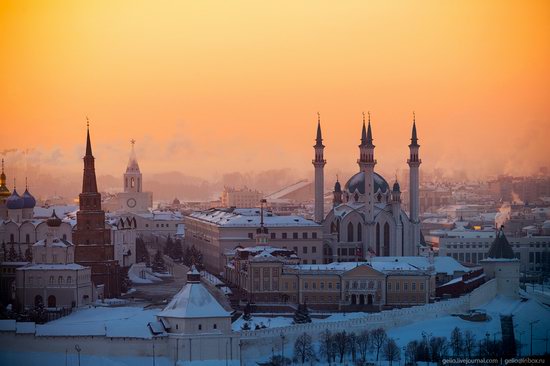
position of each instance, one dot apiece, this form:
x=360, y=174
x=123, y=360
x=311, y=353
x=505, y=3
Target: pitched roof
x=194, y=301
x=501, y=248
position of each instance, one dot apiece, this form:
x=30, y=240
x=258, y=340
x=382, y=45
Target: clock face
x=131, y=202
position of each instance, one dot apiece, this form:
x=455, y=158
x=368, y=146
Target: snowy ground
x=124, y=321
x=523, y=313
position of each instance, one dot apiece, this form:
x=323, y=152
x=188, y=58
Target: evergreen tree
x=12, y=255
x=20, y=257
x=247, y=313
x=169, y=247
x=177, y=254
x=187, y=257
x=158, y=262
x=142, y=255
x=301, y=315
x=28, y=254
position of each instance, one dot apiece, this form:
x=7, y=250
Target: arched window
x=51, y=301
x=64, y=236
x=377, y=238
x=139, y=185
x=12, y=238
x=132, y=182
x=200, y=326
x=359, y=232
x=338, y=230
x=350, y=232
x=215, y=326
x=60, y=280
x=386, y=239
x=27, y=238
x=69, y=279
x=51, y=280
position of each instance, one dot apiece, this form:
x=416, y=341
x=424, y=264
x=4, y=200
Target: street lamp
x=78, y=349
x=283, y=347
x=531, y=326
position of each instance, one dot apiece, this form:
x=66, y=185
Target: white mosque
x=366, y=218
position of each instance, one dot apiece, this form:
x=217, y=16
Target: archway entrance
x=369, y=299
x=354, y=299
x=38, y=300
x=51, y=301
x=361, y=299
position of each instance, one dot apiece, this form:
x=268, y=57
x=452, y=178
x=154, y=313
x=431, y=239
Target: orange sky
x=207, y=87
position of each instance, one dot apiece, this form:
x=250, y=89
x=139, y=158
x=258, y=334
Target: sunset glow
x=212, y=87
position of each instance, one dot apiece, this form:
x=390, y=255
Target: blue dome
x=14, y=201
x=28, y=200
x=358, y=182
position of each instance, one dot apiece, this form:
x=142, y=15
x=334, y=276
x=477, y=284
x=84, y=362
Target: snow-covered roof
x=61, y=210
x=194, y=301
x=52, y=267
x=240, y=217
x=56, y=242
x=287, y=190
x=447, y=265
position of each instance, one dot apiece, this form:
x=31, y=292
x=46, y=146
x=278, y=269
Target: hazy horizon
x=211, y=90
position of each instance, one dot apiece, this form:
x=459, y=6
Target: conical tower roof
x=133, y=166
x=501, y=248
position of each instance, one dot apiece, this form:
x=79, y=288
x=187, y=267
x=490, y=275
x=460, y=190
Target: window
x=314, y=261
x=177, y=326
x=286, y=285
x=294, y=235
x=54, y=258
x=27, y=238
x=414, y=286
x=330, y=285
x=421, y=286
x=304, y=235
x=284, y=235
x=304, y=250
x=51, y=280
x=200, y=326
x=305, y=285
x=314, y=285
x=397, y=286
x=295, y=250
x=273, y=236
x=69, y=279
x=304, y=261
x=350, y=232
x=406, y=286
x=60, y=280
x=314, y=249
x=250, y=235
x=64, y=236
x=322, y=285
x=215, y=326
x=314, y=235
x=338, y=285
x=344, y=251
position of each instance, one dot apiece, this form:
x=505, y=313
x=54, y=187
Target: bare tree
x=411, y=352
x=438, y=348
x=341, y=342
x=303, y=348
x=327, y=347
x=457, y=342
x=352, y=346
x=390, y=351
x=378, y=337
x=469, y=342
x=363, y=343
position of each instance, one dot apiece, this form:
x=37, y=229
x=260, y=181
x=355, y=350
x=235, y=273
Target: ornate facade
x=366, y=218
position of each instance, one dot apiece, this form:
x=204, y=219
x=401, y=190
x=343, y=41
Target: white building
x=216, y=231
x=133, y=199
x=53, y=279
x=197, y=319
x=243, y=197
x=367, y=217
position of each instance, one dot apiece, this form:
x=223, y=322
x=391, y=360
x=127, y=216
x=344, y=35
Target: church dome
x=53, y=220
x=15, y=201
x=28, y=200
x=358, y=182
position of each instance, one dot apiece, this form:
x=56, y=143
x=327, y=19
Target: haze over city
x=213, y=88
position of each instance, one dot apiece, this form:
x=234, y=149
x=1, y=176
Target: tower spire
x=319, y=139
x=414, y=138
x=88, y=143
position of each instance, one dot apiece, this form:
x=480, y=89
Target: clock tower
x=133, y=199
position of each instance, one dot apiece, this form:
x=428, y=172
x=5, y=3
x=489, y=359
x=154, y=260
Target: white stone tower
x=414, y=186
x=132, y=177
x=396, y=213
x=366, y=163
x=319, y=164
